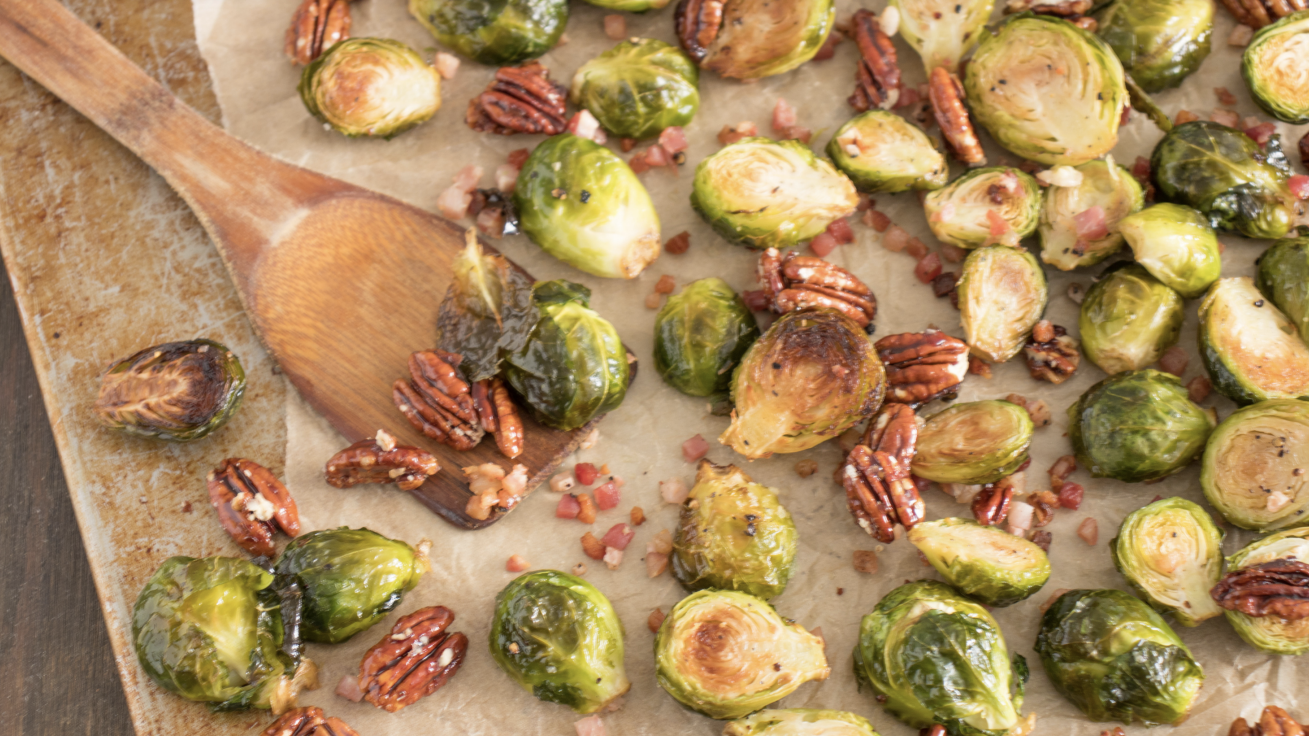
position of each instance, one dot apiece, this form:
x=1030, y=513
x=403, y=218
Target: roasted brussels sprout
x=1002, y=293
x=801, y=722
x=629, y=6
x=1137, y=426
x=812, y=376
x=750, y=39
x=559, y=637
x=942, y=32
x=583, y=205
x=1273, y=67
x=1283, y=277
x=1272, y=634
x=497, y=32
x=1172, y=552
x=963, y=213
x=1228, y=177
x=1129, y=318
x=209, y=630
x=1073, y=232
x=973, y=442
x=1115, y=659
x=574, y=366
x=985, y=563
x=177, y=391
x=1159, y=42
x=1253, y=466
x=638, y=87
x=700, y=336
x=1047, y=90
x=763, y=193
x=733, y=534
x=1251, y=350
x=350, y=579
x=1176, y=245
x=882, y=152
x=372, y=87
x=937, y=657
x=488, y=311
x=724, y=653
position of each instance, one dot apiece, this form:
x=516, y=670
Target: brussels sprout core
x=1272, y=634
x=882, y=152
x=1274, y=67
x=1002, y=293
x=1255, y=466
x=1172, y=552
x=973, y=442
x=638, y=88
x=1252, y=351
x=1073, y=231
x=178, y=391
x=499, y=33
x=964, y=213
x=1129, y=318
x=1176, y=245
x=942, y=31
x=986, y=563
x=371, y=87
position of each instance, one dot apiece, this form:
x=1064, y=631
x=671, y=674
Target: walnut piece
x=413, y=661
x=368, y=461
x=879, y=489
x=522, y=99
x=922, y=366
x=795, y=283
x=252, y=504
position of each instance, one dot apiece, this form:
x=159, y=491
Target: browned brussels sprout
x=177, y=391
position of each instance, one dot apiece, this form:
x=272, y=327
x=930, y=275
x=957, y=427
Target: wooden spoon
x=340, y=283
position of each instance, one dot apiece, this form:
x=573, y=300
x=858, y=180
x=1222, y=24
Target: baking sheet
x=242, y=42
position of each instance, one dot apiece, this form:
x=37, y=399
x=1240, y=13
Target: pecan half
x=922, y=366
x=697, y=23
x=877, y=81
x=381, y=460
x=498, y=415
x=879, y=489
x=522, y=99
x=1259, y=13
x=946, y=94
x=1278, y=588
x=1274, y=721
x=308, y=721
x=991, y=504
x=795, y=283
x=437, y=402
x=413, y=661
x=315, y=27
x=1052, y=354
x=252, y=504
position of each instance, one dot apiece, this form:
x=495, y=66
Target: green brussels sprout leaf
x=1283, y=277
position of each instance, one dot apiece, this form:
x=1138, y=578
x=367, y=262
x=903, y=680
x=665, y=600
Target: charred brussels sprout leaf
x=1172, y=552
x=177, y=391
x=1283, y=277
x=937, y=657
x=1065, y=242
x=984, y=562
x=1159, y=42
x=1047, y=90
x=494, y=32
x=973, y=442
x=371, y=87
x=1272, y=634
x=1129, y=318
x=1137, y=426
x=958, y=214
x=1115, y=659
x=350, y=579
x=1225, y=175
x=488, y=311
x=1002, y=294
x=1251, y=350
x=701, y=335
x=882, y=152
x=559, y=637
x=763, y=193
x=725, y=654
x=583, y=205
x=638, y=88
x=1252, y=470
x=760, y=38
x=943, y=31
x=1273, y=67
x=1176, y=245
x=812, y=376
x=801, y=722
x=734, y=534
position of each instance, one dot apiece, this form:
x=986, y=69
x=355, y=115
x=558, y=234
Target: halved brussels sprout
x=629, y=6
x=942, y=31
x=763, y=193
x=1115, y=659
x=350, y=579
x=488, y=311
x=733, y=534
x=984, y=562
x=638, y=87
x=725, y=654
x=882, y=152
x=1002, y=294
x=1172, y=552
x=1228, y=177
x=583, y=205
x=1251, y=350
x=178, y=391
x=961, y=213
x=1273, y=67
x=701, y=335
x=560, y=638
x=812, y=376
x=801, y=722
x=973, y=442
x=1272, y=634
x=1137, y=426
x=371, y=87
x=574, y=366
x=934, y=656
x=1176, y=245
x=1047, y=90
x=1253, y=466
x=1070, y=236
x=1160, y=42
x=760, y=38
x=1283, y=277
x=496, y=32
x=1129, y=318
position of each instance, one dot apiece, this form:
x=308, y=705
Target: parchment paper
x=242, y=42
